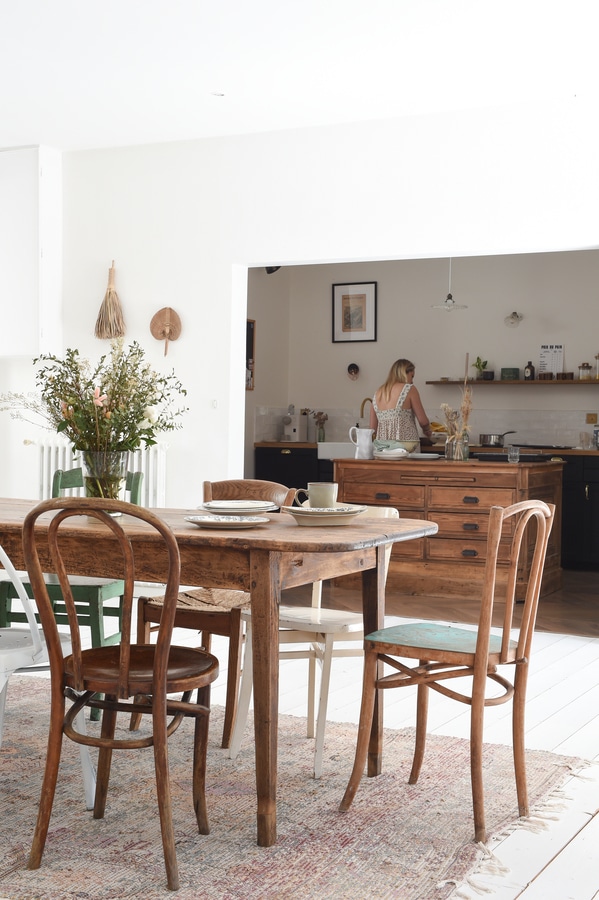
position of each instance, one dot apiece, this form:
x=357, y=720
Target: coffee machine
x=295, y=426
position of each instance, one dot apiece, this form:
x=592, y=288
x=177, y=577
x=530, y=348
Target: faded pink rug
x=397, y=841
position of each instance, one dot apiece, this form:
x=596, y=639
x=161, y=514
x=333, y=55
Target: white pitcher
x=362, y=438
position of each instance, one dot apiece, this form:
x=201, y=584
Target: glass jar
x=457, y=448
x=585, y=371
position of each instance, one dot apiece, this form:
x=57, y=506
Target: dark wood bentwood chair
x=121, y=672
x=445, y=652
x=212, y=610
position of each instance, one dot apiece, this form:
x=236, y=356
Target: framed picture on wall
x=354, y=312
x=250, y=354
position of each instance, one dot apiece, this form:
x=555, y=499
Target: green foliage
x=480, y=365
x=117, y=405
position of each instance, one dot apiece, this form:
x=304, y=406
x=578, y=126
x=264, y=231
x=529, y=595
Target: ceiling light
x=449, y=303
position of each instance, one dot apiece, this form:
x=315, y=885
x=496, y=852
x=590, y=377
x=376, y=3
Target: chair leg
x=364, y=727
x=325, y=683
x=104, y=763
x=49, y=782
x=143, y=637
x=476, y=761
x=233, y=675
x=3, y=693
x=200, y=749
x=87, y=767
x=163, y=790
x=422, y=697
x=311, y=719
x=518, y=710
x=245, y=695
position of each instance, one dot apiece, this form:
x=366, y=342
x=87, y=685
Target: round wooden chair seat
x=208, y=599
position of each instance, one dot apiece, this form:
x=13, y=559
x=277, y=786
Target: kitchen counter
x=305, y=444
x=457, y=496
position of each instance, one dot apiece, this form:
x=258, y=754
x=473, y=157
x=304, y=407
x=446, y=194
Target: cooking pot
x=493, y=440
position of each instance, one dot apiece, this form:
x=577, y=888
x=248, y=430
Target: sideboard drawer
x=475, y=498
x=409, y=496
x=469, y=550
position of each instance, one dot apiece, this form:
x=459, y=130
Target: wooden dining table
x=262, y=560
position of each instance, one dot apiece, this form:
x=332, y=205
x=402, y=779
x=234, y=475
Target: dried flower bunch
x=458, y=421
x=117, y=405
x=320, y=418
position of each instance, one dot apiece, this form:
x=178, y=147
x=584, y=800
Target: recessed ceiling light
x=217, y=93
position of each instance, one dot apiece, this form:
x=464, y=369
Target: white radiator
x=151, y=461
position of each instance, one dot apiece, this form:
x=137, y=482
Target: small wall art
x=354, y=312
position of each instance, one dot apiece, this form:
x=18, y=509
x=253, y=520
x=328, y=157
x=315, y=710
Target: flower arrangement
x=114, y=406
x=458, y=425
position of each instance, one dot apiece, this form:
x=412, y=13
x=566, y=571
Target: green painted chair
x=90, y=594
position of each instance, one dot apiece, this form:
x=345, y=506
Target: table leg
x=373, y=600
x=266, y=596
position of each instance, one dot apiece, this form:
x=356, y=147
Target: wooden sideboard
x=457, y=496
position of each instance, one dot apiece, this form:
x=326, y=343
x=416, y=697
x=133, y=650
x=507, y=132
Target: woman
x=396, y=406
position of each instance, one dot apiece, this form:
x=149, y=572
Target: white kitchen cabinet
x=30, y=251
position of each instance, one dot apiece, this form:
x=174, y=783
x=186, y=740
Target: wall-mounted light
x=513, y=320
x=270, y=270
x=353, y=371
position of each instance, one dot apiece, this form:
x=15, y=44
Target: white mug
x=322, y=494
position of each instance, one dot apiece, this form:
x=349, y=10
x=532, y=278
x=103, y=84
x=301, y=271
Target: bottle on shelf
x=529, y=371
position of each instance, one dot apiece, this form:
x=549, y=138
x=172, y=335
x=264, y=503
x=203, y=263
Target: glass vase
x=320, y=434
x=105, y=472
x=457, y=448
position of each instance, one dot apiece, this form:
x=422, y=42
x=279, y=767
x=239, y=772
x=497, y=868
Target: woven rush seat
x=207, y=599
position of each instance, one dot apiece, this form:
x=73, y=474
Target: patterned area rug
x=397, y=841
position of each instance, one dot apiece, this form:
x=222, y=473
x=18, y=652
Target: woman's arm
x=416, y=404
x=374, y=422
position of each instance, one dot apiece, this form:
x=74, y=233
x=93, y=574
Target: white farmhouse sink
x=336, y=450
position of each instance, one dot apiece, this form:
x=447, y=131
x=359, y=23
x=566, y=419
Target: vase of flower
x=457, y=448
x=105, y=472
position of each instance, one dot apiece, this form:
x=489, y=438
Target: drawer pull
x=470, y=526
x=467, y=499
x=469, y=552
x=285, y=452
x=380, y=495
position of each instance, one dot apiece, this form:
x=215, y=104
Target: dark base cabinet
x=580, y=513
x=292, y=466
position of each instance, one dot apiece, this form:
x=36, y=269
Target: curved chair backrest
x=249, y=489
x=37, y=646
x=45, y=545
x=66, y=479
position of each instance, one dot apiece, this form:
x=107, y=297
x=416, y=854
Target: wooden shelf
x=535, y=383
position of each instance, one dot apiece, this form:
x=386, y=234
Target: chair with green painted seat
x=90, y=594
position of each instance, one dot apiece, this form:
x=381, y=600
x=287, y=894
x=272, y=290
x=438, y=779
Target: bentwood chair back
x=316, y=634
x=150, y=672
x=91, y=594
x=446, y=652
x=212, y=610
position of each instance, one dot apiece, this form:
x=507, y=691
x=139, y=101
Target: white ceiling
x=81, y=74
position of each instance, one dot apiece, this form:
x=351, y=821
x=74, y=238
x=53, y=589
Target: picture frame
x=250, y=354
x=354, y=312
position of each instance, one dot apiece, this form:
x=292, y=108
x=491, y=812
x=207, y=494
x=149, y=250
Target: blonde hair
x=398, y=373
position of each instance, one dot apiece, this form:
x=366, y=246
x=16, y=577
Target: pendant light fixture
x=449, y=304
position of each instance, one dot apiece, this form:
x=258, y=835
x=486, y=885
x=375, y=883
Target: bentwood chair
x=212, y=610
x=447, y=652
x=322, y=630
x=23, y=649
x=91, y=594
x=151, y=671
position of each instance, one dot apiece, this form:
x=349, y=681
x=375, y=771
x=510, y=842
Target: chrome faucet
x=364, y=402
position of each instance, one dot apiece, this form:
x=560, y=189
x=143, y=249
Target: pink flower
x=99, y=400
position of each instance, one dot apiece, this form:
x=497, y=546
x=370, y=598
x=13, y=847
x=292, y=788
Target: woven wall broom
x=110, y=322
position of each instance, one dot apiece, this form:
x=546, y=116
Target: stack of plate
x=340, y=514
x=238, y=507
x=395, y=453
x=214, y=521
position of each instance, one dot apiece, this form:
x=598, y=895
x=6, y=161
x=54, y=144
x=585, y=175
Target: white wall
x=183, y=220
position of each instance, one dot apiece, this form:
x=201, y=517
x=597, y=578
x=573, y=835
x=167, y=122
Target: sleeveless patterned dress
x=396, y=424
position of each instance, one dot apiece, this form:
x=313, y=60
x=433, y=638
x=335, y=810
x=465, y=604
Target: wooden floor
x=562, y=716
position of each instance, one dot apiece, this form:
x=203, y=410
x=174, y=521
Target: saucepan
x=493, y=440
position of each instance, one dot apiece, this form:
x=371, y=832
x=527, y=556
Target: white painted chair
x=24, y=648
x=321, y=629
